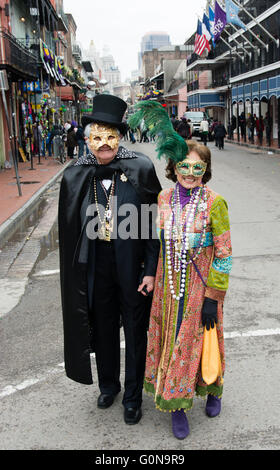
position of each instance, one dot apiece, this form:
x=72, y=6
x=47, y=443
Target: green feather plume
x=169, y=144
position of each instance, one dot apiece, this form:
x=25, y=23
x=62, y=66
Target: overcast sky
x=121, y=24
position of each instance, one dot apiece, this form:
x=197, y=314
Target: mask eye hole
x=97, y=139
x=111, y=137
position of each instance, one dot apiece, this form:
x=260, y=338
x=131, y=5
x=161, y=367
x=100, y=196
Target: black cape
x=73, y=248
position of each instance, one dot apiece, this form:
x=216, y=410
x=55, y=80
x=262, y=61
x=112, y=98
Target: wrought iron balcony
x=76, y=51
x=15, y=57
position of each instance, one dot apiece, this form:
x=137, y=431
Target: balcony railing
x=15, y=56
x=76, y=51
x=258, y=60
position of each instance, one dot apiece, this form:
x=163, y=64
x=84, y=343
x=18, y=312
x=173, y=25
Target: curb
x=257, y=147
x=11, y=224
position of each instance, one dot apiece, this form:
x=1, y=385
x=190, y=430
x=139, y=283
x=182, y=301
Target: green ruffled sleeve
x=217, y=282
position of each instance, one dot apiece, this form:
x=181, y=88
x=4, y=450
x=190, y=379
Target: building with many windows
x=243, y=73
x=153, y=40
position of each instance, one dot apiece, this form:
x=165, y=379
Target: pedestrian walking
x=49, y=143
x=268, y=128
x=107, y=273
x=190, y=287
x=212, y=130
x=131, y=136
x=191, y=128
x=250, y=123
x=55, y=137
x=71, y=142
x=174, y=121
x=204, y=130
x=242, y=125
x=220, y=133
x=80, y=140
x=233, y=126
x=184, y=129
x=260, y=129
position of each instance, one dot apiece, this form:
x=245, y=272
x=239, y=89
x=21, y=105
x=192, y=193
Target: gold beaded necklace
x=106, y=225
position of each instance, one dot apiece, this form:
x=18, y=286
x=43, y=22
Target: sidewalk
x=33, y=184
x=273, y=147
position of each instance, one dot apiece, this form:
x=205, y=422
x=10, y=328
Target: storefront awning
x=206, y=100
x=65, y=93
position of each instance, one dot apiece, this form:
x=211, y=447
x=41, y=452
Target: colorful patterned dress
x=175, y=338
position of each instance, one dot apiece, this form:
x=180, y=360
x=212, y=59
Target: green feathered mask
x=169, y=144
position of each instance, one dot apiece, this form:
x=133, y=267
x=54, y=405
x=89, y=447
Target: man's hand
x=148, y=282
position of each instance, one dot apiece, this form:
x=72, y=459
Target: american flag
x=201, y=41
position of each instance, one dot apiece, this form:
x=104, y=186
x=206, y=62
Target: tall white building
x=92, y=55
x=111, y=72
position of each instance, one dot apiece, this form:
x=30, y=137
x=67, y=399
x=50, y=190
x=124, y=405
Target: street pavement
x=42, y=409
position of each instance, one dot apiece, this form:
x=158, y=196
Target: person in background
x=183, y=128
x=204, y=129
x=212, y=130
x=71, y=141
x=251, y=124
x=242, y=124
x=191, y=128
x=131, y=135
x=80, y=140
x=49, y=143
x=233, y=124
x=174, y=121
x=260, y=129
x=268, y=128
x=220, y=133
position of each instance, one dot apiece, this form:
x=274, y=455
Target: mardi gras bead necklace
x=177, y=236
x=106, y=224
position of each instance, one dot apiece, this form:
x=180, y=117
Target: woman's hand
x=209, y=313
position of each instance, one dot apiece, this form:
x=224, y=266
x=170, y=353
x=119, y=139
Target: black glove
x=209, y=313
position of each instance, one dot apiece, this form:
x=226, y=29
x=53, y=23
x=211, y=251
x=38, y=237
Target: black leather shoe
x=132, y=415
x=105, y=400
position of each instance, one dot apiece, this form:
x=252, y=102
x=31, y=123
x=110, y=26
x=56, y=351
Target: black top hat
x=108, y=109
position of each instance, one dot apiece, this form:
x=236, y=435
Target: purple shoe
x=180, y=425
x=213, y=406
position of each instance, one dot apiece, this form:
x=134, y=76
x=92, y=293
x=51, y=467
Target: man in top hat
x=107, y=272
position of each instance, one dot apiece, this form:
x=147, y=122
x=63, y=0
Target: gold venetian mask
x=101, y=134
x=189, y=167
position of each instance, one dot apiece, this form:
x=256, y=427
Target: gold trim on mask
x=100, y=135
x=191, y=168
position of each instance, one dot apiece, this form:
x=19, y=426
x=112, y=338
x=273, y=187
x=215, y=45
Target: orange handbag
x=211, y=367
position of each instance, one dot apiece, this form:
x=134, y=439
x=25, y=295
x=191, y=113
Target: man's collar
x=123, y=153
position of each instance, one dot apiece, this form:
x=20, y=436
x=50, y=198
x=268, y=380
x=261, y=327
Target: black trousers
x=204, y=137
x=220, y=142
x=110, y=300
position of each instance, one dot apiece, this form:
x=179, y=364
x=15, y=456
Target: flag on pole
x=206, y=30
x=220, y=21
x=200, y=42
x=212, y=24
x=232, y=11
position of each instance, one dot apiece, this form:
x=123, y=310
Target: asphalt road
x=42, y=409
